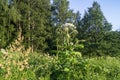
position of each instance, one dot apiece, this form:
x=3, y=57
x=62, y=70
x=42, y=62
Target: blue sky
x=110, y=9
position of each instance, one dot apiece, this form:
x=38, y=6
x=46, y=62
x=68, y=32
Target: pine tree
x=93, y=28
x=9, y=17
x=3, y=10
x=41, y=24
x=61, y=13
x=35, y=22
x=110, y=43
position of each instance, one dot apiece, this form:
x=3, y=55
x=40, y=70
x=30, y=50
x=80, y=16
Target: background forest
x=44, y=40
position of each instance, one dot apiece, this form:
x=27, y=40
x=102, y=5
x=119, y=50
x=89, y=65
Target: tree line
x=39, y=23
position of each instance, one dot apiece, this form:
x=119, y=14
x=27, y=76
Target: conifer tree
x=3, y=11
x=93, y=28
x=8, y=18
x=61, y=14
x=35, y=22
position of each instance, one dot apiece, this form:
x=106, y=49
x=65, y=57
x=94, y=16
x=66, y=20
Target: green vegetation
x=40, y=40
x=68, y=66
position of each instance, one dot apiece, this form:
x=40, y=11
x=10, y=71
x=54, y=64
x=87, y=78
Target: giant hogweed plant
x=68, y=57
x=67, y=40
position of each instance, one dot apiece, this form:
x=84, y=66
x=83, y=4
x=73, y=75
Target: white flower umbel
x=68, y=26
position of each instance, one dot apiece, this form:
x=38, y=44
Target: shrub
x=68, y=65
x=15, y=66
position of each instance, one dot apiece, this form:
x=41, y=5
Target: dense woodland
x=38, y=21
x=41, y=26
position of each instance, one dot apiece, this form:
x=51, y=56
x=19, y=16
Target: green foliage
x=110, y=44
x=65, y=38
x=105, y=68
x=69, y=65
x=47, y=27
x=92, y=28
x=61, y=13
x=42, y=65
x=40, y=24
x=34, y=22
x=8, y=18
x=14, y=66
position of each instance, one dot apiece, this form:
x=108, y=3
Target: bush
x=15, y=66
x=68, y=65
x=42, y=65
x=106, y=68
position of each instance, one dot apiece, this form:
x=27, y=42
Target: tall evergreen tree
x=93, y=27
x=8, y=17
x=3, y=11
x=41, y=24
x=35, y=22
x=61, y=13
x=110, y=43
x=77, y=19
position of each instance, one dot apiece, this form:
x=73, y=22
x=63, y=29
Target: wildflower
x=8, y=63
x=19, y=63
x=25, y=62
x=10, y=56
x=1, y=65
x=26, y=54
x=8, y=69
x=22, y=68
x=14, y=62
x=3, y=51
x=71, y=43
x=68, y=26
